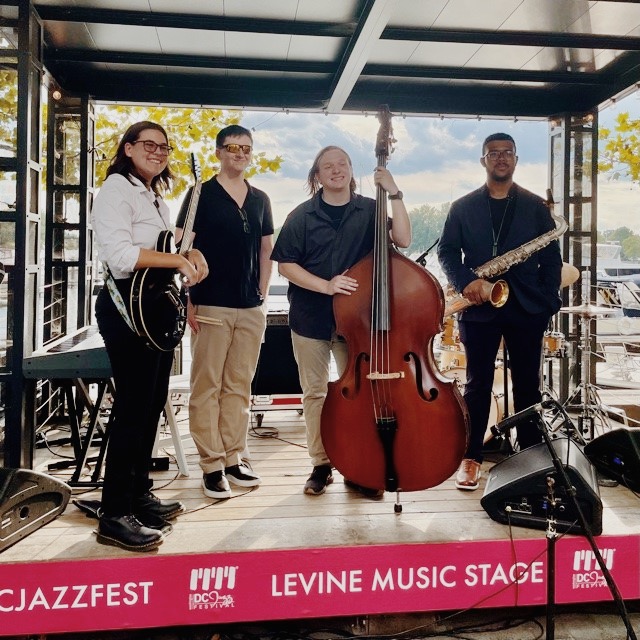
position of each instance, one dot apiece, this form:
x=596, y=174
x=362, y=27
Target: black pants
x=523, y=334
x=141, y=377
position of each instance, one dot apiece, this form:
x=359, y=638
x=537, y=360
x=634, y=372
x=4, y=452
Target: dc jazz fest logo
x=209, y=587
x=586, y=570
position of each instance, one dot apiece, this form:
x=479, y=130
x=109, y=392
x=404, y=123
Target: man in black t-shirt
x=233, y=226
x=319, y=240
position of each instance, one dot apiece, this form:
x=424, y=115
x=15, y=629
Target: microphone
x=422, y=258
x=499, y=430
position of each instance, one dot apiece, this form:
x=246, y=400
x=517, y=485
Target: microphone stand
x=422, y=258
x=552, y=535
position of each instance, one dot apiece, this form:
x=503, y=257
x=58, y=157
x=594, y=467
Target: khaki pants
x=313, y=358
x=224, y=356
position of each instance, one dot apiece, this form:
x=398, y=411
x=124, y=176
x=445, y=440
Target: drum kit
x=452, y=361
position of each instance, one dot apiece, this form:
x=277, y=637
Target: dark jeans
x=141, y=377
x=523, y=334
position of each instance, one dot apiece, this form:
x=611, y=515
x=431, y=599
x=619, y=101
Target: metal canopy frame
x=439, y=57
x=546, y=59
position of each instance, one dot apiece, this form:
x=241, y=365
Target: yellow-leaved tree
x=8, y=110
x=190, y=131
x=621, y=152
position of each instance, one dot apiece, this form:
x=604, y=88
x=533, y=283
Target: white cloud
x=618, y=205
x=434, y=160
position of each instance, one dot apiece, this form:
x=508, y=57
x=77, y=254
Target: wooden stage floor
x=274, y=553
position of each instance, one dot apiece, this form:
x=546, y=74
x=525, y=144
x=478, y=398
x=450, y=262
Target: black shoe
x=364, y=491
x=321, y=477
x=91, y=508
x=242, y=476
x=155, y=522
x=127, y=532
x=215, y=485
x=150, y=504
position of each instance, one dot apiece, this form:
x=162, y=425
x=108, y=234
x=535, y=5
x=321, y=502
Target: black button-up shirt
x=309, y=239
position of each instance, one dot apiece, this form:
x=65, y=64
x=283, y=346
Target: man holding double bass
x=319, y=241
x=486, y=223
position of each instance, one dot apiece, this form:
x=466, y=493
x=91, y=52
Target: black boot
x=149, y=504
x=128, y=533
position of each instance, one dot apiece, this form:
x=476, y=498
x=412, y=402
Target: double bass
x=392, y=421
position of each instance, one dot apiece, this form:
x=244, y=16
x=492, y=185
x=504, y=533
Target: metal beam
x=499, y=75
x=63, y=56
x=372, y=22
x=441, y=99
x=195, y=21
x=514, y=38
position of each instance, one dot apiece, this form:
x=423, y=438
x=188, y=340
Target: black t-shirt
x=230, y=242
x=335, y=212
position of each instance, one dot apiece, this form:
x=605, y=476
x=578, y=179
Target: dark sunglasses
x=236, y=148
x=245, y=221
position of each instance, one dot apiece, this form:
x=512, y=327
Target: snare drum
x=554, y=345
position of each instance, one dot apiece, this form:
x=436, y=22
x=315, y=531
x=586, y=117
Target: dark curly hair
x=121, y=163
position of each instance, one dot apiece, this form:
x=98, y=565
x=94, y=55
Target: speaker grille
x=616, y=454
x=517, y=490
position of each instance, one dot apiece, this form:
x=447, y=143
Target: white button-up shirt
x=126, y=217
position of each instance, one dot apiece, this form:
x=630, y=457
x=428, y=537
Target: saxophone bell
x=495, y=293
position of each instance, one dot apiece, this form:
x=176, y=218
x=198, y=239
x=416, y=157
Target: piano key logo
x=209, y=587
x=587, y=573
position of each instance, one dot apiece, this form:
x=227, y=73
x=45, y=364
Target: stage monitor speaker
x=28, y=501
x=516, y=491
x=616, y=454
x=277, y=370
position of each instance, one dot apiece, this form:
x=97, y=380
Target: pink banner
x=158, y=591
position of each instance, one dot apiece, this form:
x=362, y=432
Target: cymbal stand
x=590, y=404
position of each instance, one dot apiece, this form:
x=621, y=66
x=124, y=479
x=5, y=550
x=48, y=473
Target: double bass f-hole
x=392, y=421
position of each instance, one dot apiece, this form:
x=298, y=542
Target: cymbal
x=588, y=310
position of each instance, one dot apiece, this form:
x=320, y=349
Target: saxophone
x=496, y=293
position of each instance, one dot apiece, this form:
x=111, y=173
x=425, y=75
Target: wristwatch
x=396, y=196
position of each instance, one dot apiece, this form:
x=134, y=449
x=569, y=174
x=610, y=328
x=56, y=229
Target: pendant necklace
x=496, y=236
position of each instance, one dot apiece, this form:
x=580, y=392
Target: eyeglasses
x=153, y=147
x=508, y=154
x=236, y=148
x=245, y=221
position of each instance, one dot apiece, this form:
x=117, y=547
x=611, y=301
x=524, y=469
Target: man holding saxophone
x=499, y=217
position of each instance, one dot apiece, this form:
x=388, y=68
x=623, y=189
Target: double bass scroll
x=392, y=421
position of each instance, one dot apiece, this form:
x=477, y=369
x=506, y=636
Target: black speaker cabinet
x=28, y=501
x=516, y=490
x=277, y=371
x=616, y=454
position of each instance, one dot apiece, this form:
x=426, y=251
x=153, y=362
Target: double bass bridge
x=376, y=375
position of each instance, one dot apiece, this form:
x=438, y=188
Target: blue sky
x=435, y=160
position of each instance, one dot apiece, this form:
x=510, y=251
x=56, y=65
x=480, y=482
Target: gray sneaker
x=321, y=477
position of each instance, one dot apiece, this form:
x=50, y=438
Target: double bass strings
x=379, y=368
